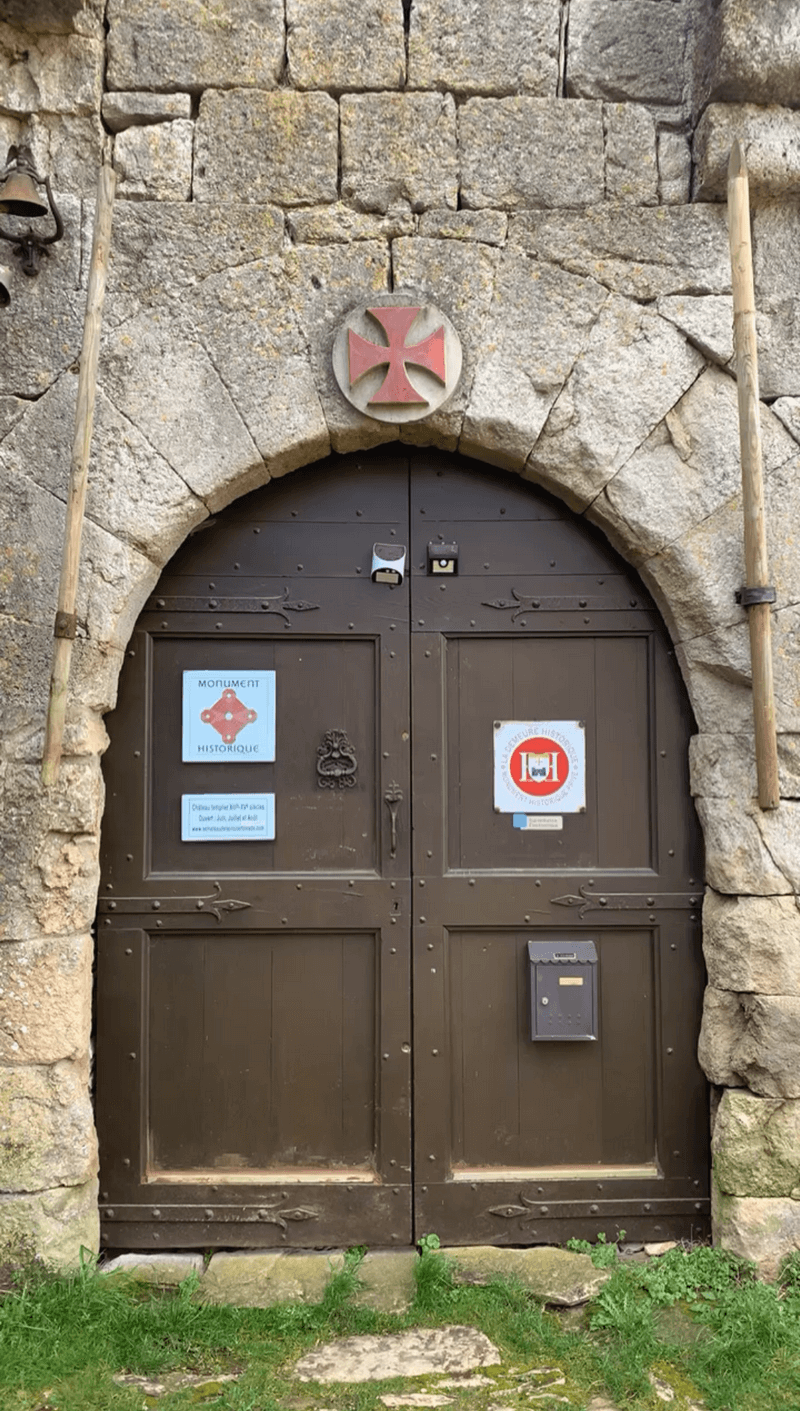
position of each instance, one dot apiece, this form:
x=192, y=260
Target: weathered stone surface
x=122, y=110
x=721, y=1030
x=459, y=278
x=388, y=1281
x=12, y=410
x=707, y=321
x=166, y=1270
x=54, y=16
x=751, y=943
x=628, y=49
x=412, y=1354
x=771, y=141
x=633, y=369
x=45, y=993
x=49, y=74
x=488, y=226
x=42, y=327
x=716, y=668
x=724, y=764
x=399, y=147
x=759, y=1229
x=188, y=46
x=674, y=169
x=338, y=225
x=164, y=382
x=347, y=274
x=752, y=1041
x=244, y=320
x=507, y=147
x=47, y=1134
x=540, y=320
x=69, y=148
x=267, y=147
x=631, y=166
x=322, y=43
x=158, y=250
x=484, y=46
x=756, y=1146
x=55, y=1224
x=749, y=52
x=776, y=231
x=636, y=251
x=257, y=1279
x=154, y=163
x=202, y=1387
x=553, y=1275
x=744, y=851
x=687, y=469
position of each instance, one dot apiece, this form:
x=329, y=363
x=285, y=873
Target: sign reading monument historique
x=228, y=716
x=539, y=766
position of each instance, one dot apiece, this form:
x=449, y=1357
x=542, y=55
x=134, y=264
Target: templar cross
x=396, y=323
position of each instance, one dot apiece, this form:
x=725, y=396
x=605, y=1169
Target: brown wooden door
x=255, y=997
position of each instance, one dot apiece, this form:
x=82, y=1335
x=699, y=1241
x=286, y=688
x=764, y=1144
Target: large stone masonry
x=552, y=174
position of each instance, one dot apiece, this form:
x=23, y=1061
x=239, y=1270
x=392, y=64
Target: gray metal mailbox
x=563, y=989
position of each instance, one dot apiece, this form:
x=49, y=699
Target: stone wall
x=550, y=173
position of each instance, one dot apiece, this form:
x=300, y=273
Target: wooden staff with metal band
x=66, y=617
x=757, y=595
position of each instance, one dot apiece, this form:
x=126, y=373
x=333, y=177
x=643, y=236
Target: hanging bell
x=18, y=192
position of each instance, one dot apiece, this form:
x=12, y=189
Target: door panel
x=254, y=998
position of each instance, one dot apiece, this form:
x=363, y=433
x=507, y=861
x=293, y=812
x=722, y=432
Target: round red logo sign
x=539, y=766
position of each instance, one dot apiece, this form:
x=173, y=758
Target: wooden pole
x=66, y=620
x=757, y=594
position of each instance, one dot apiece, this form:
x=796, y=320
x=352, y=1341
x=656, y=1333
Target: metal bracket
x=751, y=597
x=66, y=625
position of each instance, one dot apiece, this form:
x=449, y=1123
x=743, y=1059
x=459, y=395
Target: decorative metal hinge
x=277, y=606
x=626, y=901
x=522, y=603
x=280, y=1215
x=173, y=905
x=336, y=761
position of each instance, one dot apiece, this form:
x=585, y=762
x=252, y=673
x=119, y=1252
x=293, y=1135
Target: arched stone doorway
x=329, y=1031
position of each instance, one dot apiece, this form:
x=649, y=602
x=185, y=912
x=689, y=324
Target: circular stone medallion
x=397, y=358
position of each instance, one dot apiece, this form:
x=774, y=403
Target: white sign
x=221, y=818
x=228, y=715
x=538, y=822
x=539, y=766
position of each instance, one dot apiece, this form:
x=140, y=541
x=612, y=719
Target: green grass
x=62, y=1338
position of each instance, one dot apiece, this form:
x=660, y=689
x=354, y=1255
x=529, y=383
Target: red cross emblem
x=228, y=716
x=396, y=324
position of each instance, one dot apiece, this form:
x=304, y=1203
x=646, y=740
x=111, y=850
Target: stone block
x=555, y=1276
x=631, y=166
x=340, y=46
x=776, y=231
x=706, y=320
x=756, y=1146
x=165, y=384
x=636, y=251
x=751, y=944
x=154, y=163
x=490, y=227
x=399, y=147
x=387, y=1280
x=632, y=370
x=184, y=45
x=54, y=16
x=721, y=1030
x=245, y=321
x=42, y=328
x=538, y=324
x=771, y=141
x=123, y=110
x=50, y=73
x=163, y=1270
x=68, y=148
x=716, y=668
x=339, y=225
x=507, y=147
x=484, y=46
x=756, y=1042
x=12, y=410
x=160, y=250
x=47, y=1135
x=674, y=169
x=57, y=1224
x=45, y=996
x=459, y=278
x=748, y=53
x=416, y=1353
x=628, y=50
x=323, y=283
x=762, y=1230
x=724, y=764
x=262, y=147
x=257, y=1279
x=747, y=852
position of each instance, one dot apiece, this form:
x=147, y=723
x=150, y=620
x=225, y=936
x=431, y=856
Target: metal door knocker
x=336, y=761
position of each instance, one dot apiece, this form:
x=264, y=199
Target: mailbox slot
x=563, y=990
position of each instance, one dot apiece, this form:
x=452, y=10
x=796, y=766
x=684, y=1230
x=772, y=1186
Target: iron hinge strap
x=214, y=904
x=628, y=901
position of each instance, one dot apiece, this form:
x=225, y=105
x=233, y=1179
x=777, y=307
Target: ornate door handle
x=393, y=797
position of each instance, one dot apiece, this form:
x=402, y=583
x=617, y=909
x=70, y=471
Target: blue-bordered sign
x=228, y=716
x=539, y=766
x=223, y=818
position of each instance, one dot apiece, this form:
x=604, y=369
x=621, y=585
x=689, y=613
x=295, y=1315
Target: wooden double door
x=321, y=1034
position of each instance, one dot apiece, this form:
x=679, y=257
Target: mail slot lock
x=563, y=990
x=388, y=563
x=442, y=558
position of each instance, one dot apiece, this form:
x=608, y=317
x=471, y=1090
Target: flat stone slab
x=414, y=1354
x=210, y=1385
x=167, y=1270
x=556, y=1276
